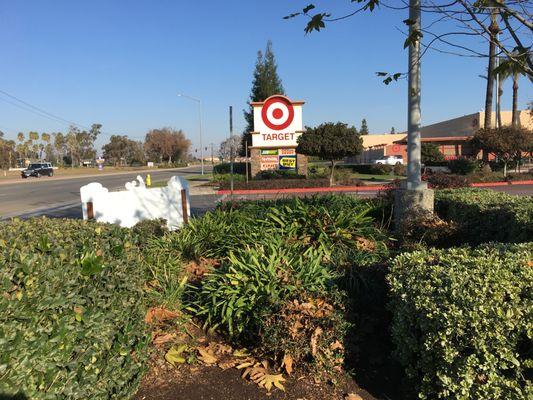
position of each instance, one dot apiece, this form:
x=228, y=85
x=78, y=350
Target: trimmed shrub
x=440, y=180
x=227, y=178
x=225, y=168
x=463, y=166
x=486, y=216
x=278, y=174
x=463, y=321
x=277, y=184
x=71, y=310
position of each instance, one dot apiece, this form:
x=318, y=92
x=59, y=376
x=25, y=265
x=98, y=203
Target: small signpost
x=277, y=126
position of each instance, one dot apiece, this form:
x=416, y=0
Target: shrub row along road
x=60, y=197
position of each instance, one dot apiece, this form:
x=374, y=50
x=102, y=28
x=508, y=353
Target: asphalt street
x=60, y=197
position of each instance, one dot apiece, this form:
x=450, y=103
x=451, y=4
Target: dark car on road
x=38, y=170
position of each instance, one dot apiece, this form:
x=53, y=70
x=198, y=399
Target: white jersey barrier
x=137, y=203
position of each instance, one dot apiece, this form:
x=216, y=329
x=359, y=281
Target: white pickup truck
x=391, y=160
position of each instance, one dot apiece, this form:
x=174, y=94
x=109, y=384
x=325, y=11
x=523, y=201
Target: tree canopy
x=431, y=153
x=121, y=150
x=266, y=83
x=506, y=143
x=166, y=144
x=330, y=141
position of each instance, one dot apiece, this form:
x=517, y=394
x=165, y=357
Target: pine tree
x=364, y=128
x=266, y=83
x=392, y=131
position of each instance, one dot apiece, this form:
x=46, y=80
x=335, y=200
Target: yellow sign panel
x=287, y=162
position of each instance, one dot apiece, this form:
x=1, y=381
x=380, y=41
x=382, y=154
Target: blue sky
x=122, y=62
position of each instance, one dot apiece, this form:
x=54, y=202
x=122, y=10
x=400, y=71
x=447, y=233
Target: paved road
x=58, y=197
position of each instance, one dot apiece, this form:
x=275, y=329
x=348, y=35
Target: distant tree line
x=165, y=145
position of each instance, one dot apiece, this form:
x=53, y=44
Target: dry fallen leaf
x=336, y=345
x=353, y=396
x=259, y=374
x=287, y=363
x=159, y=314
x=206, y=355
x=162, y=339
x=314, y=339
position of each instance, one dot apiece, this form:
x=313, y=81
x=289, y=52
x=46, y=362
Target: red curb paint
x=306, y=190
x=352, y=188
x=489, y=184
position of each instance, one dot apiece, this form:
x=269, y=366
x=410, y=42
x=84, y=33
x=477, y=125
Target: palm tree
x=507, y=69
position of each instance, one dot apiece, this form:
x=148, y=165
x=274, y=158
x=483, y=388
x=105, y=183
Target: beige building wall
x=468, y=124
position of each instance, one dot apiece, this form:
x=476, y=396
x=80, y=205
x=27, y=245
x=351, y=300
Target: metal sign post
x=232, y=155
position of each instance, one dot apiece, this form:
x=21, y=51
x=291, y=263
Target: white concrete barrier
x=137, y=203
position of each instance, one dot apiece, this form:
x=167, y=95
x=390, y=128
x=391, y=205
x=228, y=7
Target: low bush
x=462, y=321
x=227, y=178
x=276, y=184
x=278, y=174
x=71, y=310
x=485, y=215
x=479, y=177
x=225, y=168
x=252, y=282
x=463, y=166
x=441, y=180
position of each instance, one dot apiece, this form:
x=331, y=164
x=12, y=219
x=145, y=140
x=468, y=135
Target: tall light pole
x=199, y=124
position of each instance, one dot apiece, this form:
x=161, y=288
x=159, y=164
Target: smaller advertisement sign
x=269, y=152
x=269, y=166
x=269, y=159
x=287, y=162
x=287, y=152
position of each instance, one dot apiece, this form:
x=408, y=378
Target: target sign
x=277, y=113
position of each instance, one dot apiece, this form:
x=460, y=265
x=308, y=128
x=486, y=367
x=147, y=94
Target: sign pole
x=231, y=148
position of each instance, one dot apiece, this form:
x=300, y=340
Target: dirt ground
x=164, y=382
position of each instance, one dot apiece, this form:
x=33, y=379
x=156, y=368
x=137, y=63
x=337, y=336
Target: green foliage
x=266, y=83
x=252, y=281
x=463, y=166
x=431, y=153
x=71, y=310
x=278, y=174
x=330, y=141
x=227, y=178
x=149, y=228
x=462, y=321
x=441, y=180
x=486, y=216
x=277, y=184
x=225, y=168
x=364, y=127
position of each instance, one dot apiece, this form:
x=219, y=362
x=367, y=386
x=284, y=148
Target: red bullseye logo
x=277, y=112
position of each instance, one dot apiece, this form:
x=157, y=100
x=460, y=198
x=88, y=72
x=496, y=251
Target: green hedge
x=225, y=168
x=463, y=321
x=486, y=215
x=71, y=312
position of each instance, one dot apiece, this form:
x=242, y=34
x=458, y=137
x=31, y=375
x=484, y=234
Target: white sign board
x=277, y=122
x=137, y=203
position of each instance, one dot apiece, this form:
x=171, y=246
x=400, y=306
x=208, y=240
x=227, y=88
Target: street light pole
x=199, y=124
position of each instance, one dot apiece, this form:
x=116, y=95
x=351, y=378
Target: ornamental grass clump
x=463, y=321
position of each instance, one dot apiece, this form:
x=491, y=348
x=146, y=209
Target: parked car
x=38, y=170
x=391, y=160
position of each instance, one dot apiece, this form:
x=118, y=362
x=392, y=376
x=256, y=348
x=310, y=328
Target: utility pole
x=212, y=159
x=199, y=125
